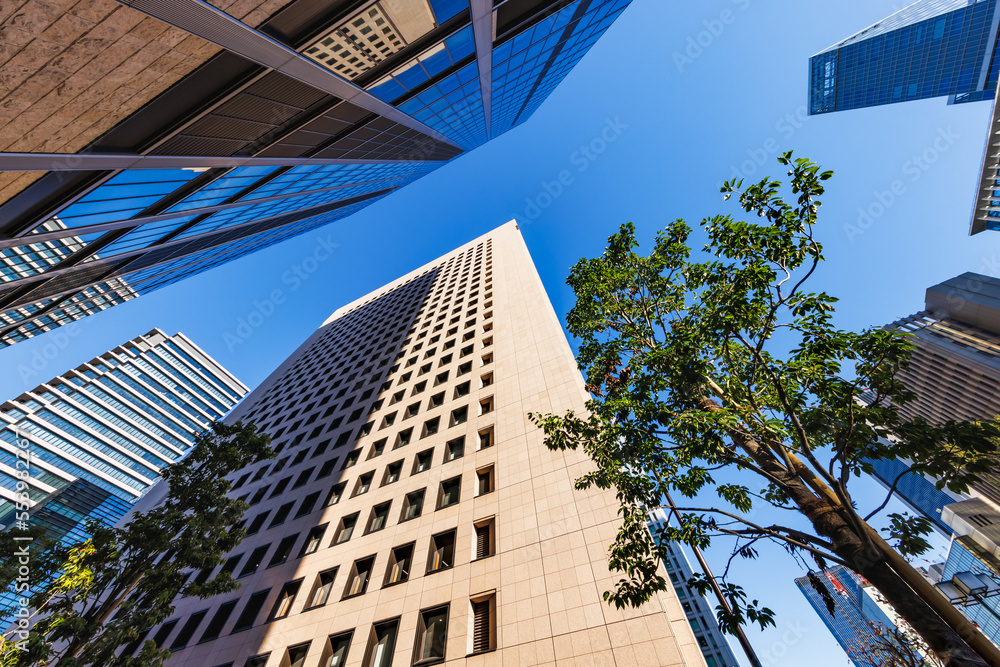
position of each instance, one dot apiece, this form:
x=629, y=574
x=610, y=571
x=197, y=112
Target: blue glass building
x=932, y=48
x=295, y=123
x=855, y=613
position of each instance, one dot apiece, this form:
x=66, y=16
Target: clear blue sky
x=682, y=123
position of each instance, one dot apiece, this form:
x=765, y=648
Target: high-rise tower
x=149, y=140
x=413, y=514
x=98, y=436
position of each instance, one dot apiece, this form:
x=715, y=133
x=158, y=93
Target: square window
x=430, y=427
x=432, y=635
x=486, y=380
x=281, y=514
x=336, y=493
x=441, y=378
x=412, y=410
x=418, y=387
x=398, y=569
x=378, y=518
x=437, y=400
x=397, y=397
x=487, y=359
x=403, y=438
x=392, y=472
x=413, y=505
x=486, y=438
x=345, y=529
x=450, y=492
x=454, y=449
x=352, y=459
x=321, y=590
x=313, y=540
x=423, y=461
x=377, y=448
x=426, y=368
x=486, y=406
x=357, y=582
x=442, y=554
x=462, y=390
x=484, y=481
x=363, y=485
x=459, y=416
x=381, y=644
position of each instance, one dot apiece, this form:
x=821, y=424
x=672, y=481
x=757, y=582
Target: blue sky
x=666, y=123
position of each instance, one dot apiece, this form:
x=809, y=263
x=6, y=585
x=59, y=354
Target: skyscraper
x=150, y=140
x=698, y=610
x=99, y=435
x=856, y=614
x=413, y=514
x=931, y=48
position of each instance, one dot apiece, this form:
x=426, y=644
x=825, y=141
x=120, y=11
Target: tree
x=120, y=582
x=722, y=361
x=892, y=647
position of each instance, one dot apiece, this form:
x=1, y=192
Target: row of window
x=430, y=641
x=441, y=555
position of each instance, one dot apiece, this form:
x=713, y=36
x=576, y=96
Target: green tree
x=720, y=364
x=110, y=589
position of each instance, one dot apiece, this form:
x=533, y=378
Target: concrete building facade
x=413, y=515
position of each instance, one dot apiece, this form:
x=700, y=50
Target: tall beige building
x=413, y=515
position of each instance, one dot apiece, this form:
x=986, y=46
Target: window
x=218, y=621
x=357, y=583
x=307, y=504
x=286, y=597
x=257, y=660
x=283, y=551
x=257, y=523
x=336, y=493
x=462, y=390
x=188, y=630
x=454, y=449
x=419, y=387
x=486, y=438
x=345, y=529
x=485, y=539
x=398, y=569
x=321, y=589
x=280, y=487
x=486, y=380
x=250, y=611
x=430, y=427
x=392, y=472
x=256, y=558
x=413, y=505
x=487, y=359
x=450, y=491
x=281, y=514
x=327, y=468
x=336, y=650
x=441, y=378
x=486, y=406
x=437, y=400
x=432, y=632
x=467, y=350
x=442, y=555
x=464, y=368
x=313, y=540
x=423, y=461
x=377, y=521
x=403, y=438
x=397, y=397
x=381, y=644
x=257, y=497
x=377, y=449
x=364, y=483
x=483, y=623
x=411, y=410
x=487, y=341
x=352, y=458
x=484, y=481
x=426, y=368
x=297, y=655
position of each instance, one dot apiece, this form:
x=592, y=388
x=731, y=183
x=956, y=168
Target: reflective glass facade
x=932, y=48
x=965, y=555
x=855, y=612
x=412, y=93
x=918, y=491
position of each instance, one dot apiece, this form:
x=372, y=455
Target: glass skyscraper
x=931, y=48
x=856, y=613
x=99, y=435
x=264, y=123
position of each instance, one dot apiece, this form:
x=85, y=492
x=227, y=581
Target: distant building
x=932, y=48
x=700, y=613
x=857, y=610
x=100, y=434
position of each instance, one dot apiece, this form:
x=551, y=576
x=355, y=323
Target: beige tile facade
x=70, y=70
x=548, y=566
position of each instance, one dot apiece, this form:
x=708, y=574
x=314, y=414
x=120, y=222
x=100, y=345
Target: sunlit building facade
x=219, y=129
x=412, y=514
